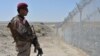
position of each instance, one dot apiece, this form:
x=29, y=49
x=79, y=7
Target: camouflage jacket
x=21, y=29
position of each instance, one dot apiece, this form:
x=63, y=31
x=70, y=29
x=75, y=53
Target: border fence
x=81, y=28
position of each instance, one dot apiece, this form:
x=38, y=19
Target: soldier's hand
x=40, y=52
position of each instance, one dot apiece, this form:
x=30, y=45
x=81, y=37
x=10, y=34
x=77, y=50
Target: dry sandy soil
x=52, y=45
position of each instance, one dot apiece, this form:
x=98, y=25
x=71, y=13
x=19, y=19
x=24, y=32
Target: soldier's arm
x=12, y=29
x=35, y=39
x=35, y=42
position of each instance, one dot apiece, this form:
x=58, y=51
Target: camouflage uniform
x=23, y=35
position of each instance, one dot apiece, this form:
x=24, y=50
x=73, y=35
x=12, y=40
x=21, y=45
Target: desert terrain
x=51, y=44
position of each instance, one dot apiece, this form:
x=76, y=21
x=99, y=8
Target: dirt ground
x=51, y=45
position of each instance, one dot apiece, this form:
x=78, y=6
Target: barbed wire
x=78, y=9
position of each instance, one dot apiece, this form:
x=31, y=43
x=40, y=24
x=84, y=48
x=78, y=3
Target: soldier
x=22, y=32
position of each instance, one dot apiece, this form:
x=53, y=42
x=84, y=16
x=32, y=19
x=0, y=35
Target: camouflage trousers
x=23, y=48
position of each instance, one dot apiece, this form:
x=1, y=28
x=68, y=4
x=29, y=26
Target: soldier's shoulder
x=15, y=18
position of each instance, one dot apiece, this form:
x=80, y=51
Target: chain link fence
x=81, y=27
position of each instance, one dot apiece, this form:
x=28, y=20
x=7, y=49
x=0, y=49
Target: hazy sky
x=39, y=10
